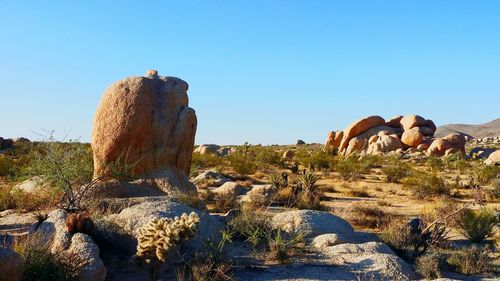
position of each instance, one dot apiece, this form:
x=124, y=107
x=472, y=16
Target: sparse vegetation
x=430, y=265
x=423, y=185
x=477, y=225
x=474, y=260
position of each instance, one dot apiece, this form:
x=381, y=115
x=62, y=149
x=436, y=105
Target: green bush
x=396, y=172
x=205, y=161
x=251, y=226
x=316, y=160
x=477, y=225
x=350, y=168
x=485, y=174
x=283, y=245
x=266, y=156
x=471, y=261
x=243, y=163
x=423, y=185
x=6, y=166
x=435, y=163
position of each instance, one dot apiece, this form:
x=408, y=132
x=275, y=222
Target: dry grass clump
x=357, y=192
x=351, y=168
x=395, y=172
x=430, y=265
x=39, y=263
x=224, y=202
x=25, y=202
x=283, y=246
x=469, y=261
x=367, y=216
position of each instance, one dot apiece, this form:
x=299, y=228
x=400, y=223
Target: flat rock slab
x=16, y=223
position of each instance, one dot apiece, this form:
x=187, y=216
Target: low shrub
x=283, y=245
x=316, y=160
x=266, y=156
x=251, y=226
x=470, y=261
x=6, y=166
x=485, y=174
x=350, y=168
x=430, y=265
x=411, y=240
x=395, y=173
x=358, y=192
x=39, y=263
x=435, y=163
x=477, y=225
x=224, y=202
x=367, y=216
x=243, y=163
x=423, y=185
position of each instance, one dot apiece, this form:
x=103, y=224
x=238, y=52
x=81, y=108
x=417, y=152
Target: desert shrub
x=207, y=267
x=396, y=172
x=430, y=265
x=350, y=168
x=435, y=163
x=477, y=225
x=496, y=188
x=440, y=210
x=66, y=166
x=223, y=202
x=283, y=245
x=40, y=264
x=79, y=222
x=6, y=166
x=367, y=216
x=469, y=261
x=459, y=164
x=371, y=161
x=309, y=196
x=316, y=160
x=485, y=174
x=24, y=202
x=243, y=163
x=423, y=185
x=357, y=192
x=306, y=202
x=205, y=161
x=278, y=180
x=267, y=156
x=250, y=226
x=411, y=240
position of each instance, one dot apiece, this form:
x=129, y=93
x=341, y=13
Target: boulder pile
x=413, y=133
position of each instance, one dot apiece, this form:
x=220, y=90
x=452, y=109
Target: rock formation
x=374, y=135
x=145, y=123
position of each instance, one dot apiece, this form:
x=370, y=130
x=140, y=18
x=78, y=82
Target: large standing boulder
x=411, y=121
x=313, y=223
x=412, y=137
x=11, y=265
x=438, y=147
x=146, y=123
x=452, y=141
x=359, y=127
x=456, y=141
x=361, y=141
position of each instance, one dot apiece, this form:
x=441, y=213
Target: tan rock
x=146, y=123
x=334, y=139
x=422, y=147
x=451, y=151
x=373, y=139
x=412, y=137
x=429, y=128
x=356, y=144
x=438, y=147
x=493, y=159
x=394, y=122
x=411, y=121
x=359, y=127
x=456, y=141
x=385, y=143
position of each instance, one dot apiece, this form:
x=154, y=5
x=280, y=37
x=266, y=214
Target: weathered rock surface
x=384, y=143
x=207, y=149
x=440, y=145
x=330, y=239
x=313, y=223
x=288, y=155
x=262, y=193
x=334, y=139
x=359, y=127
x=132, y=218
x=231, y=188
x=145, y=122
x=493, y=159
x=11, y=265
x=411, y=121
x=216, y=179
x=85, y=254
x=370, y=258
x=412, y=137
x=34, y=185
x=78, y=249
x=394, y=122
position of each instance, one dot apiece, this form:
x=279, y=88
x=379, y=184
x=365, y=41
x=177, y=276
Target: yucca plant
x=477, y=225
x=308, y=181
x=277, y=180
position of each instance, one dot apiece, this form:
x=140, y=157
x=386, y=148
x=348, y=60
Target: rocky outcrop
x=358, y=127
x=288, y=155
x=145, y=123
x=11, y=265
x=207, y=149
x=215, y=179
x=413, y=133
x=313, y=223
x=231, y=188
x=334, y=139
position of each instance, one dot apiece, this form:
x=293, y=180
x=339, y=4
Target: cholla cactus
x=160, y=235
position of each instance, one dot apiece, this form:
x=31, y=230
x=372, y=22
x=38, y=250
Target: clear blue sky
x=259, y=71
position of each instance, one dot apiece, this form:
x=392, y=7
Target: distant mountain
x=490, y=129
